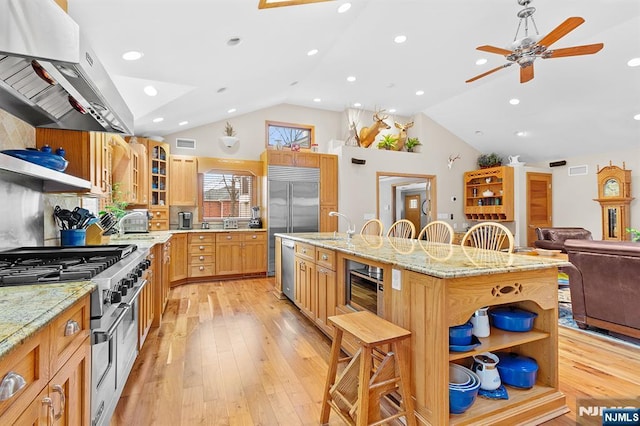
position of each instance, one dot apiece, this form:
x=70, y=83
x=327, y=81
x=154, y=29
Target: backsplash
x=15, y=133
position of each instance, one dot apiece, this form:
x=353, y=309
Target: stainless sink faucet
x=351, y=228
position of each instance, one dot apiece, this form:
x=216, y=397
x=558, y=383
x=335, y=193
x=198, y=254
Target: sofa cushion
x=561, y=235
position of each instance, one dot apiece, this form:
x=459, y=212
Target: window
x=227, y=194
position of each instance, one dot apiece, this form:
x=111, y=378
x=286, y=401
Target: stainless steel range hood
x=40, y=43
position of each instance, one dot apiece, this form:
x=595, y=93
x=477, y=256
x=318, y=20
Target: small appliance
x=136, y=221
x=185, y=220
x=255, y=221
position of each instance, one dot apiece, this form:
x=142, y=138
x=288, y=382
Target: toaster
x=137, y=223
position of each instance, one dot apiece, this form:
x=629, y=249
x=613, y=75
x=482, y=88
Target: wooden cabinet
x=305, y=285
x=56, y=366
x=488, y=194
x=126, y=170
x=159, y=180
x=255, y=253
x=89, y=155
x=328, y=223
x=178, y=265
x=160, y=259
x=160, y=218
x=328, y=180
x=326, y=288
x=241, y=253
x=202, y=247
x=146, y=310
x=291, y=158
x=183, y=189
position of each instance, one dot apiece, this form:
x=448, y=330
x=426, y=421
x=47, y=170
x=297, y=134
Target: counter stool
x=371, y=373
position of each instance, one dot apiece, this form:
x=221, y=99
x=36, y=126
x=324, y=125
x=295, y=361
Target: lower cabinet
x=178, y=265
x=241, y=253
x=57, y=370
x=201, y=254
x=146, y=311
x=305, y=283
x=161, y=257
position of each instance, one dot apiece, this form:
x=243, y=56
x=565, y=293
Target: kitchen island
x=428, y=287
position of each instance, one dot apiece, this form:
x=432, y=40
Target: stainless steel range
x=120, y=273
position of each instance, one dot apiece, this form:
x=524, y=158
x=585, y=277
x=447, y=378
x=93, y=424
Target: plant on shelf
x=388, y=142
x=635, y=234
x=489, y=160
x=229, y=139
x=412, y=143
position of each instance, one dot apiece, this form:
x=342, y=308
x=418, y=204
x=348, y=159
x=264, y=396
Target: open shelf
x=500, y=339
x=498, y=180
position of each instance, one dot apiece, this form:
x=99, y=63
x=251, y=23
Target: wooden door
x=178, y=264
x=74, y=381
x=229, y=258
x=183, y=188
x=412, y=209
x=255, y=257
x=538, y=204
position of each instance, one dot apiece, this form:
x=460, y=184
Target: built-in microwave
x=364, y=287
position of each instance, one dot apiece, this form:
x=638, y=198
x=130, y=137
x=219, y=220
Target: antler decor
x=452, y=159
x=368, y=134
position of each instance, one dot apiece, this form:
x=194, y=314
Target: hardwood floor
x=230, y=353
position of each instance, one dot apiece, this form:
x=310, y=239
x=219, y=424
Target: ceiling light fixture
x=183, y=123
x=521, y=133
x=231, y=110
x=392, y=110
x=634, y=62
x=357, y=104
x=317, y=100
x=344, y=7
x=132, y=55
x=636, y=117
x=312, y=52
x=400, y=39
x=514, y=101
x=234, y=41
x=150, y=90
x=351, y=79
x=481, y=61
x=420, y=93
x=157, y=120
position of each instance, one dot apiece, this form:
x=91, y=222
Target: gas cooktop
x=41, y=265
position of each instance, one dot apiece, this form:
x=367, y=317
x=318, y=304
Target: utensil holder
x=73, y=237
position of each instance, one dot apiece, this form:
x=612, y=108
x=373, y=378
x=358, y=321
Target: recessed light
x=481, y=61
x=150, y=90
x=357, y=104
x=636, y=117
x=222, y=89
x=344, y=7
x=420, y=93
x=634, y=62
x=157, y=120
x=132, y=55
x=521, y=133
x=183, y=123
x=514, y=101
x=400, y=38
x=317, y=100
x=312, y=52
x=392, y=110
x=234, y=41
x=479, y=133
x=351, y=79
x=231, y=110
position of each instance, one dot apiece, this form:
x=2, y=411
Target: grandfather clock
x=614, y=196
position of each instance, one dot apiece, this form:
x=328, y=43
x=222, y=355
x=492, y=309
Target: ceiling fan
x=526, y=49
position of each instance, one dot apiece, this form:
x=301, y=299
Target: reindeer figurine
x=368, y=134
x=402, y=135
x=452, y=159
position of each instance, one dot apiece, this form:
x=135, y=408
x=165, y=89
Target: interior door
x=412, y=210
x=538, y=204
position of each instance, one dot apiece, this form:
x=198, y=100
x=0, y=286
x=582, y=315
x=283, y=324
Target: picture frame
x=293, y=136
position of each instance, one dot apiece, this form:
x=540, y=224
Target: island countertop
x=435, y=259
x=24, y=310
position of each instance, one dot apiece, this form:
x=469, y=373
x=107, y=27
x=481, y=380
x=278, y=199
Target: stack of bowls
x=461, y=335
x=463, y=388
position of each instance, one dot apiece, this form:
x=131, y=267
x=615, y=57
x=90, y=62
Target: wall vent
x=579, y=170
x=185, y=143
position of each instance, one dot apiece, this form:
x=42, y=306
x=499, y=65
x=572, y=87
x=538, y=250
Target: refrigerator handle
x=290, y=206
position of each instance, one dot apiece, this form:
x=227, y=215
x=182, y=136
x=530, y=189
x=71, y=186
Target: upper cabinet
x=488, y=194
x=328, y=179
x=184, y=180
x=159, y=176
x=291, y=158
x=88, y=153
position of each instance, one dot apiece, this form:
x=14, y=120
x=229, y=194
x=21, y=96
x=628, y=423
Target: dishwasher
x=287, y=265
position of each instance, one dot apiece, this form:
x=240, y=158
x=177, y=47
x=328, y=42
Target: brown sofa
x=604, y=280
x=554, y=238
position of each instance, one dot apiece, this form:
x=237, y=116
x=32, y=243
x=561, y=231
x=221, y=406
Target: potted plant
x=412, y=143
x=489, y=160
x=388, y=142
x=635, y=234
x=229, y=139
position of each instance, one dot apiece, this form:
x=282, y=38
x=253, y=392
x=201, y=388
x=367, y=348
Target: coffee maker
x=185, y=220
x=255, y=221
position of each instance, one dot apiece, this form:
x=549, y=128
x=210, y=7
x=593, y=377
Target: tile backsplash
x=15, y=133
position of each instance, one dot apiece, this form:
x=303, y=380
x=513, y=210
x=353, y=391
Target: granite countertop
x=24, y=310
x=148, y=239
x=435, y=259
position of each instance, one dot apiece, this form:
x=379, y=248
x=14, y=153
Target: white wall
x=573, y=196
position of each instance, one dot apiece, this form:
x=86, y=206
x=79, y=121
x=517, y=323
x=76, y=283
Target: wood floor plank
x=230, y=353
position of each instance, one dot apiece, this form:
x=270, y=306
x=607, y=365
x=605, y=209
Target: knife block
x=95, y=237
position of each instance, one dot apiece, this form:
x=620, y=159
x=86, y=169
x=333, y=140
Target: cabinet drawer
x=326, y=258
x=225, y=237
x=159, y=225
x=69, y=330
x=202, y=237
x=159, y=214
x=201, y=270
x=29, y=360
x=306, y=250
x=201, y=259
x=254, y=236
x=196, y=249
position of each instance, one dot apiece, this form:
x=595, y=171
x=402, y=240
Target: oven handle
x=136, y=293
x=104, y=336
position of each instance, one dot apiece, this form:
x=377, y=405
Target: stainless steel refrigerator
x=293, y=203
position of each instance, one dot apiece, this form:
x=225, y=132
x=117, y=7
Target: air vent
x=186, y=143
x=578, y=170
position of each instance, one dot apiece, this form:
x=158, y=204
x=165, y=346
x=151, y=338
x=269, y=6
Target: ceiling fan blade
x=493, y=49
x=588, y=49
x=526, y=73
x=489, y=72
x=561, y=30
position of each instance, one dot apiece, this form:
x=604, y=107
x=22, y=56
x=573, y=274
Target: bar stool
x=371, y=373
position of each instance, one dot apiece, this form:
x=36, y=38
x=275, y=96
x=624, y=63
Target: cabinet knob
x=325, y=257
x=201, y=268
x=229, y=237
x=254, y=237
x=12, y=382
x=157, y=213
x=304, y=251
x=201, y=247
x=201, y=237
x=71, y=328
x=201, y=258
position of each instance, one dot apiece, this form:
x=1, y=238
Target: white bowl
x=546, y=252
x=487, y=193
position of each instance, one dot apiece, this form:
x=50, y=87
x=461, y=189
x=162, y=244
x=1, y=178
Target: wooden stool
x=371, y=373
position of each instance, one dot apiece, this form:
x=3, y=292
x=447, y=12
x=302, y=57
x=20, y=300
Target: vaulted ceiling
x=574, y=105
